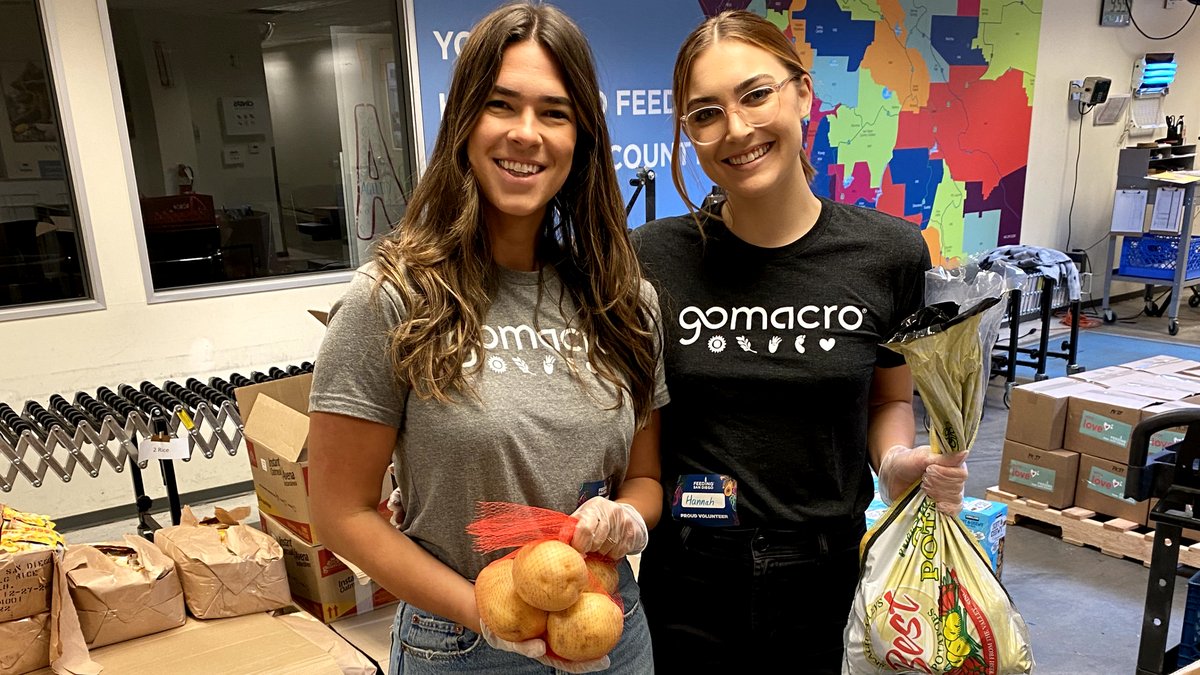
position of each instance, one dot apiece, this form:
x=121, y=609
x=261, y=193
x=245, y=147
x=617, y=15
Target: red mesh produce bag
x=544, y=588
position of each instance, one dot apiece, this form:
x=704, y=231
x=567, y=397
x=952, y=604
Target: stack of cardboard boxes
x=1068, y=439
x=275, y=416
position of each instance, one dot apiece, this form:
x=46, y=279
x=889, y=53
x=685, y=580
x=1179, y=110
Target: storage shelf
x=1170, y=157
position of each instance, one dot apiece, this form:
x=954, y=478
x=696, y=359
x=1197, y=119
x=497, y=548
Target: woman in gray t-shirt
x=500, y=346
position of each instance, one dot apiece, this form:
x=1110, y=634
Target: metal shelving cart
x=1155, y=269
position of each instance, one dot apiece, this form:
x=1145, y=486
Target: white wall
x=1072, y=46
x=131, y=340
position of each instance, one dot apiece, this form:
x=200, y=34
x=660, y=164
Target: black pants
x=744, y=597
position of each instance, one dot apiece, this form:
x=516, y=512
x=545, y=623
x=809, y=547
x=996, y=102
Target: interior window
x=267, y=139
x=41, y=250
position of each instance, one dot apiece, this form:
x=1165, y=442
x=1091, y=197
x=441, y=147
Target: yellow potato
x=504, y=612
x=549, y=575
x=586, y=630
x=605, y=573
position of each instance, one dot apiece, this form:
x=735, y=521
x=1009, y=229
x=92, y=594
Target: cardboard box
x=1100, y=424
x=1178, y=366
x=370, y=633
x=986, y=521
x=255, y=644
x=1151, y=362
x=352, y=659
x=1038, y=411
x=1100, y=375
x=25, y=583
x=1101, y=488
x=1161, y=440
x=1165, y=387
x=275, y=418
x=1046, y=476
x=320, y=582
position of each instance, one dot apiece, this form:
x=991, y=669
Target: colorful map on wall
x=922, y=108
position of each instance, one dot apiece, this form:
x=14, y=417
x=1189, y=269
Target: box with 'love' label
x=1045, y=476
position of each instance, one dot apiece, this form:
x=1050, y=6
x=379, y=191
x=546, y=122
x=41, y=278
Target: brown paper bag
x=117, y=601
x=226, y=568
x=25, y=644
x=68, y=651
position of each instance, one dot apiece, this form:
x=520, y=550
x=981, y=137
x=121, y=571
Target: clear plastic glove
x=536, y=650
x=533, y=649
x=943, y=477
x=610, y=528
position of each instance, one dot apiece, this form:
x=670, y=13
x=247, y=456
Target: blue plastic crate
x=1189, y=649
x=1154, y=256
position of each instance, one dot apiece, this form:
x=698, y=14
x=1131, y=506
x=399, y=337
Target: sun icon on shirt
x=716, y=344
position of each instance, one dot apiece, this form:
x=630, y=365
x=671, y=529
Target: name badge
x=598, y=488
x=706, y=500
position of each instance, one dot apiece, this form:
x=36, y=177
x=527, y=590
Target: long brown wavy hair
x=439, y=257
x=729, y=25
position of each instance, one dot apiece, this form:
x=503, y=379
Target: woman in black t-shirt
x=775, y=303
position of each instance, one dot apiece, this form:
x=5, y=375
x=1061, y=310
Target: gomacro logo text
x=695, y=319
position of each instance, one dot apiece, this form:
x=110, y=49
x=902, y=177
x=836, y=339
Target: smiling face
x=521, y=147
x=750, y=161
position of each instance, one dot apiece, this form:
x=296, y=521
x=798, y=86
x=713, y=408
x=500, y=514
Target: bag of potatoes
x=545, y=588
x=226, y=568
x=124, y=591
x=927, y=600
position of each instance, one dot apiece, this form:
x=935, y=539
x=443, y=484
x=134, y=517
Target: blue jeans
x=748, y=597
x=426, y=643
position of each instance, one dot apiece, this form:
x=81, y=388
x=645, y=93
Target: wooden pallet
x=1116, y=537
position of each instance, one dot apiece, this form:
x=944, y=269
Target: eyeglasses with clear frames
x=757, y=107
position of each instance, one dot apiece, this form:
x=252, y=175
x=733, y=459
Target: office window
x=41, y=248
x=267, y=139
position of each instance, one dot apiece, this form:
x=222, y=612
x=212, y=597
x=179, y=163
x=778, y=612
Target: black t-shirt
x=770, y=355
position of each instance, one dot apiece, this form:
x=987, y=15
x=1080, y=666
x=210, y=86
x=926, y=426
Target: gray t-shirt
x=539, y=432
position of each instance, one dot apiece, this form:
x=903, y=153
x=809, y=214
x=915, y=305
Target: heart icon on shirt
x=827, y=343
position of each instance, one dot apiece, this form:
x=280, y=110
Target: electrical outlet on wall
x=1169, y=4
